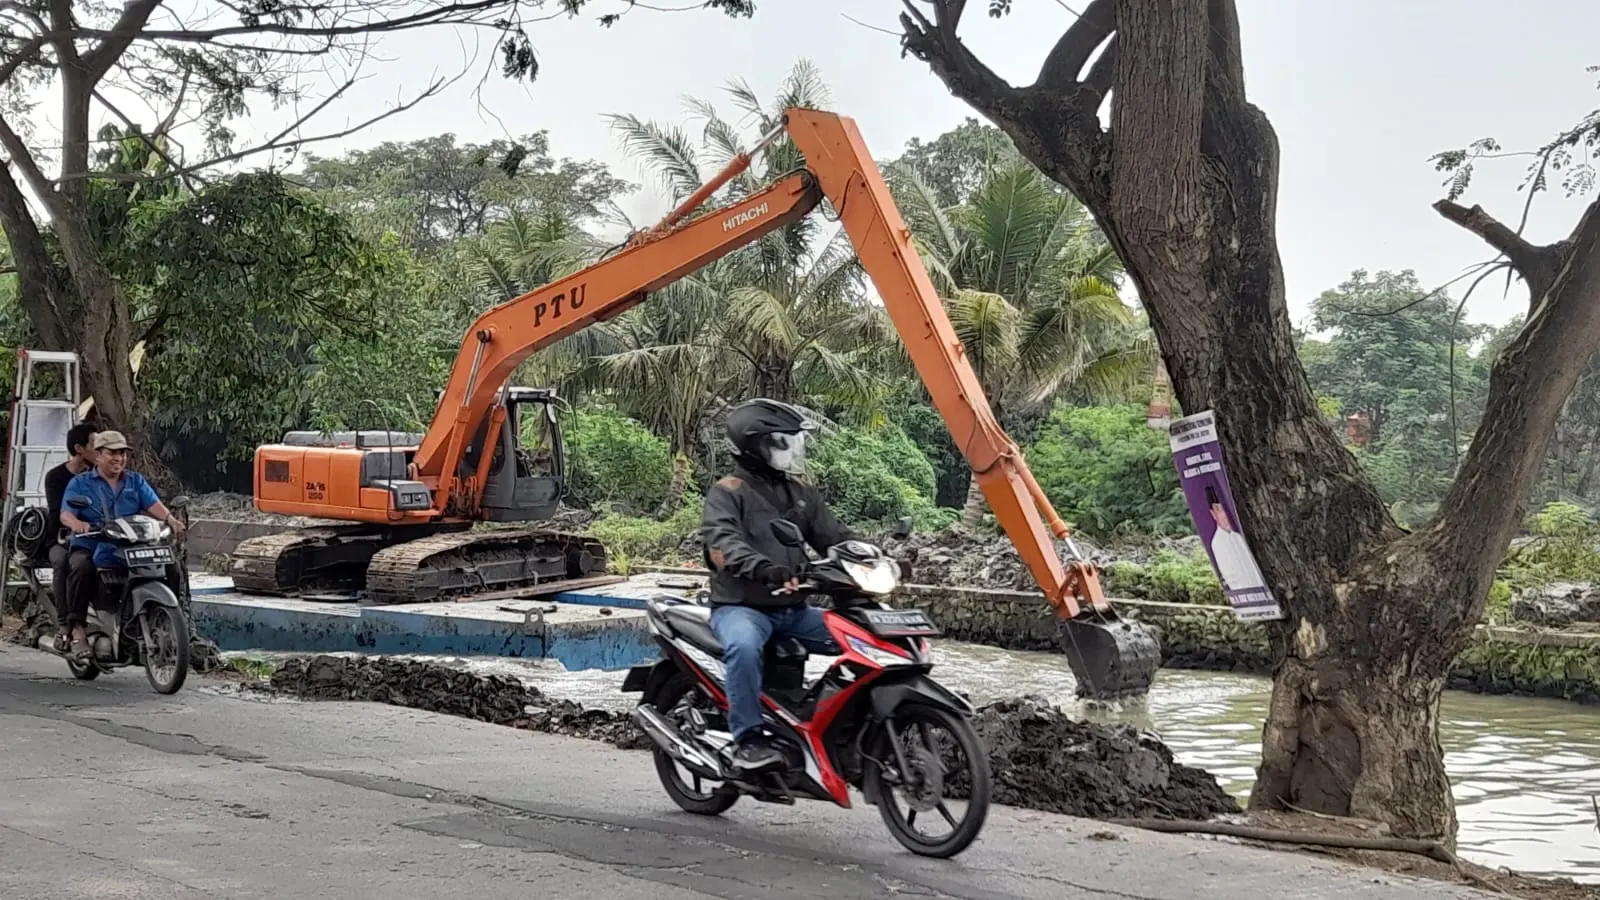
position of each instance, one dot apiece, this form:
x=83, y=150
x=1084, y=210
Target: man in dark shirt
x=80, y=459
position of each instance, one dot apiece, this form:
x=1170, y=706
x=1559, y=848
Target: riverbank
x=1043, y=760
x=1557, y=663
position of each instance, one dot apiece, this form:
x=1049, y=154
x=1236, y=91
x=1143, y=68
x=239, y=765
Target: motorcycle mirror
x=902, y=528
x=788, y=533
x=79, y=503
x=179, y=502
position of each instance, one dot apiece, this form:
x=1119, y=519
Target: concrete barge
x=583, y=628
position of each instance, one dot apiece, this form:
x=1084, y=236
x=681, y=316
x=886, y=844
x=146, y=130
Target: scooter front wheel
x=930, y=778
x=166, y=649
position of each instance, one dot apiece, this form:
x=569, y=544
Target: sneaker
x=755, y=753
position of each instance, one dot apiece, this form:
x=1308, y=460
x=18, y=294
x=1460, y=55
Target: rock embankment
x=1042, y=759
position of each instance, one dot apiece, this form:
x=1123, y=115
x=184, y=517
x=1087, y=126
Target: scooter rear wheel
x=691, y=795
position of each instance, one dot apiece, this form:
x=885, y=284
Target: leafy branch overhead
x=1568, y=155
x=179, y=81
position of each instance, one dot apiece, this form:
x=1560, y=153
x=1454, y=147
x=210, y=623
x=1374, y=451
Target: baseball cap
x=110, y=440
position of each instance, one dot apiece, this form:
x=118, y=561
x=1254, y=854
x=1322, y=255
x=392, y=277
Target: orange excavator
x=405, y=505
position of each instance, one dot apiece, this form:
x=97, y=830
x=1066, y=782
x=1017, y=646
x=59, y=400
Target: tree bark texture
x=975, y=506
x=102, y=333
x=1184, y=184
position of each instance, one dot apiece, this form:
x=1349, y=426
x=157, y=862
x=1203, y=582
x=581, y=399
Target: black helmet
x=751, y=428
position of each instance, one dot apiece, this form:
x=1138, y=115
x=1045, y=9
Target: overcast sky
x=1361, y=93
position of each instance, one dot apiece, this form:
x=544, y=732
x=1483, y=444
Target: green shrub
x=615, y=461
x=1169, y=578
x=630, y=540
x=870, y=477
x=1109, y=473
x=1563, y=549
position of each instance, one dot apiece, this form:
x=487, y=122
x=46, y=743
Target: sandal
x=80, y=649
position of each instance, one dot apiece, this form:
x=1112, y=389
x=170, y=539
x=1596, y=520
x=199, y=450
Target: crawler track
x=416, y=564
x=450, y=565
x=292, y=562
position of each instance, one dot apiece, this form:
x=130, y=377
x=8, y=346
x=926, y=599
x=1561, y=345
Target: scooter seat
x=694, y=624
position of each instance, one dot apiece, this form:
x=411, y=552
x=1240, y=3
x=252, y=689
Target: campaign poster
x=1198, y=456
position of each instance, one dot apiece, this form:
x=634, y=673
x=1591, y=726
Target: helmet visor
x=786, y=451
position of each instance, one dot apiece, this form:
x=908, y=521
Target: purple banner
x=1198, y=455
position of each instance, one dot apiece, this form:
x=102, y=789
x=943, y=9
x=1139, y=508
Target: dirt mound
x=1042, y=759
x=496, y=699
x=1045, y=760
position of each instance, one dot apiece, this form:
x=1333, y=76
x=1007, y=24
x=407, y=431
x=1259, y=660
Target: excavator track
x=287, y=563
x=446, y=566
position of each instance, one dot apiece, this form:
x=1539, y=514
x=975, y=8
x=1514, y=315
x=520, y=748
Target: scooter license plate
x=900, y=623
x=148, y=556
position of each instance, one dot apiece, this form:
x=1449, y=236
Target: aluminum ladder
x=38, y=438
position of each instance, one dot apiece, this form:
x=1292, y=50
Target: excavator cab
x=527, y=474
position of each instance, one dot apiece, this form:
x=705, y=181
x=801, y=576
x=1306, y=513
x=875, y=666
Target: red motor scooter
x=875, y=720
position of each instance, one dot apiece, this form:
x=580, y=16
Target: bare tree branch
x=116, y=42
x=1065, y=62
x=1039, y=121
x=451, y=13
x=38, y=290
x=20, y=157
x=21, y=57
x=1538, y=265
x=287, y=138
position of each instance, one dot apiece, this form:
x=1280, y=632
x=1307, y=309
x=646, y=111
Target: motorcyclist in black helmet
x=748, y=563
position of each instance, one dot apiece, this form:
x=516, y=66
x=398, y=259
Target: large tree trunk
x=1186, y=192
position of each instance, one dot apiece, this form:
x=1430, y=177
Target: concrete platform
x=595, y=628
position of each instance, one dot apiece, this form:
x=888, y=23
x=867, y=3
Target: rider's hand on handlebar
x=79, y=527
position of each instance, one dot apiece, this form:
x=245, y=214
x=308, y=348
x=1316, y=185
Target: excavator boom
x=1111, y=657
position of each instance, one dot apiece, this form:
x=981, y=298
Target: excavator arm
x=1111, y=657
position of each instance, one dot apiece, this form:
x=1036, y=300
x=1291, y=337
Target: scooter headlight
x=878, y=577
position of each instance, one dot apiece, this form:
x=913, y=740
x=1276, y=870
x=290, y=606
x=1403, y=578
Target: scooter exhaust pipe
x=680, y=748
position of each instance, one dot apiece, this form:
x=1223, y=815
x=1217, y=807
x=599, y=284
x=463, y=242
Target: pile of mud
x=1042, y=759
x=496, y=699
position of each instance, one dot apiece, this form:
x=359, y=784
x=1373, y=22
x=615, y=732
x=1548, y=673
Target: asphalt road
x=110, y=790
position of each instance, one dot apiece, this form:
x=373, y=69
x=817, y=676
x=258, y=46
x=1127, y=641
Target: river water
x=1524, y=770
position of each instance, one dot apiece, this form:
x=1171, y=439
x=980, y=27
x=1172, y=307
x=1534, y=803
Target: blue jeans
x=744, y=632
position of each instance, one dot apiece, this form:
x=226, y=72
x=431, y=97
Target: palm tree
x=1030, y=287
x=783, y=318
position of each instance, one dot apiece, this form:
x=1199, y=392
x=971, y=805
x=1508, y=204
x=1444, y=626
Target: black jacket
x=736, y=530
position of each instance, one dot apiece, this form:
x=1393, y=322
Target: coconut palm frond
x=987, y=326
x=666, y=152
x=758, y=316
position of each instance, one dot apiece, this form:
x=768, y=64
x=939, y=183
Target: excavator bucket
x=1110, y=657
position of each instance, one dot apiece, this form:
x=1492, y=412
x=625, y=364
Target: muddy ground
x=1041, y=758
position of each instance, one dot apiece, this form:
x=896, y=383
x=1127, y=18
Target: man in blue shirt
x=93, y=499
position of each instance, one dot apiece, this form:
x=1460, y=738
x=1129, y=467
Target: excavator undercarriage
x=412, y=564
x=418, y=503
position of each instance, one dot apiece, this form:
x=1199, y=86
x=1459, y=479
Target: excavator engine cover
x=1110, y=657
